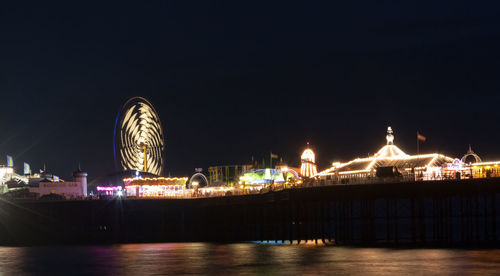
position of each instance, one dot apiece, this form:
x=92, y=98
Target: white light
x=119, y=193
x=308, y=166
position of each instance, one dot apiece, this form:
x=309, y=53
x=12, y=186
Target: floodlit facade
x=7, y=174
x=486, y=169
x=389, y=161
x=68, y=189
x=53, y=185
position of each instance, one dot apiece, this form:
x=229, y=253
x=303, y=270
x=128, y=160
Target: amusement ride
x=138, y=138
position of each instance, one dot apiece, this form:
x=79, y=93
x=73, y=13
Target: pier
x=433, y=213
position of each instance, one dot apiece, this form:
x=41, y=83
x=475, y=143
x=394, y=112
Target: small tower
x=308, y=166
x=389, y=137
x=81, y=177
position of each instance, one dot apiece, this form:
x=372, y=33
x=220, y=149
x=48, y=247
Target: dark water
x=246, y=258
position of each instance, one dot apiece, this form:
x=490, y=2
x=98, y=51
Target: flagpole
x=417, y=144
x=270, y=160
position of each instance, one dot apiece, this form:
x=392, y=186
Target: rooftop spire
x=389, y=137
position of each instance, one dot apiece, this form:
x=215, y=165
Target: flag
x=275, y=156
x=27, y=169
x=10, y=161
x=421, y=137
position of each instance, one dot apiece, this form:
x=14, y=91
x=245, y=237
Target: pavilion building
x=388, y=162
x=155, y=187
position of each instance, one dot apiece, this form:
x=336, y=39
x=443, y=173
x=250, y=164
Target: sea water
x=244, y=259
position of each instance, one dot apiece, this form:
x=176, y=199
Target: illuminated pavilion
x=388, y=161
x=155, y=187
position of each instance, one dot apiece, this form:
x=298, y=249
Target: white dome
x=308, y=155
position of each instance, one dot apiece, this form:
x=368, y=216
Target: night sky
x=232, y=80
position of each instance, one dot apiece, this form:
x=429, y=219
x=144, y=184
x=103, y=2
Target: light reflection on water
x=243, y=258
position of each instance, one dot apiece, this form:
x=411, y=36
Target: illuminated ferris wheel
x=138, y=139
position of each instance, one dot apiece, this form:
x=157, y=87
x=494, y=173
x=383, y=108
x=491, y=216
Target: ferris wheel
x=138, y=138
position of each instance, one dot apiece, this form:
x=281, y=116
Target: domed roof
x=308, y=155
x=390, y=150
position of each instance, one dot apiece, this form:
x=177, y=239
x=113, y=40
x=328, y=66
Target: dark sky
x=232, y=80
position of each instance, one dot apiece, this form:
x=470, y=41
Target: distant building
x=228, y=175
x=48, y=184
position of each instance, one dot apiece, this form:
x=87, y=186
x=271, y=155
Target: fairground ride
x=139, y=143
